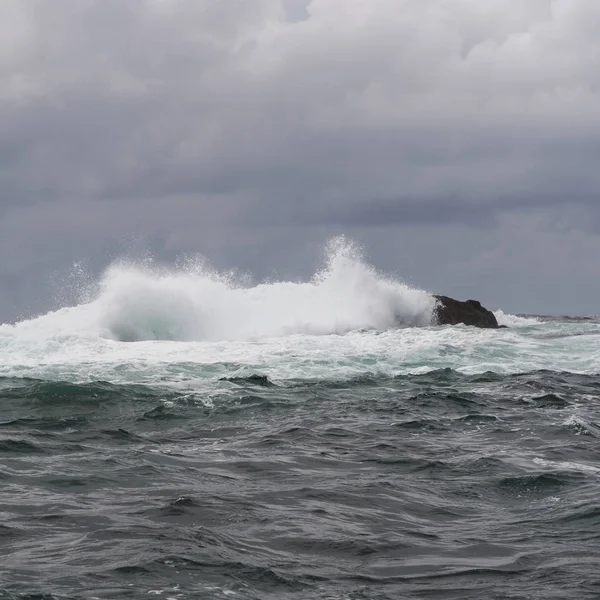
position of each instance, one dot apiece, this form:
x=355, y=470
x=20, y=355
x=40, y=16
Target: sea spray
x=194, y=303
x=509, y=320
x=197, y=304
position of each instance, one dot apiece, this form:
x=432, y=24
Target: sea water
x=185, y=433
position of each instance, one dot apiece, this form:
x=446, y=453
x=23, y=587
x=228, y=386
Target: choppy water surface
x=362, y=463
x=438, y=484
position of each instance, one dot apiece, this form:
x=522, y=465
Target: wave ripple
x=440, y=484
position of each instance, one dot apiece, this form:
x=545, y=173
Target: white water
x=196, y=304
x=191, y=325
x=513, y=320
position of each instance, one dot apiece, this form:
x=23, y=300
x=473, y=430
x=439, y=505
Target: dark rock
x=254, y=379
x=449, y=311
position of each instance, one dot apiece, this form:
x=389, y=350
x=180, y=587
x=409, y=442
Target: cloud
x=214, y=125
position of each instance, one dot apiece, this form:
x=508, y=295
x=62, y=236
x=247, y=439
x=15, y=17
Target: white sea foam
x=190, y=326
x=388, y=353
x=567, y=466
x=513, y=320
x=193, y=303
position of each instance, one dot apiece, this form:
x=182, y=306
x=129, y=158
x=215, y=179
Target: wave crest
x=193, y=303
x=514, y=320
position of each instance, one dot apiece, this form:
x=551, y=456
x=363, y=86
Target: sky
x=457, y=140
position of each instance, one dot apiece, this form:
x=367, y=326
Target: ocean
x=182, y=433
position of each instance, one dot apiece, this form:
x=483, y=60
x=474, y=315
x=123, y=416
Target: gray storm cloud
x=457, y=138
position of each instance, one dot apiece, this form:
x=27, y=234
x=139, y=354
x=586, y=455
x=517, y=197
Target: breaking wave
x=194, y=303
x=514, y=320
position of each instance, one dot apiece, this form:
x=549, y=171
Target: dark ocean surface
x=438, y=484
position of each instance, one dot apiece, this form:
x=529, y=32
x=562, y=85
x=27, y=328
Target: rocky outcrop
x=449, y=311
x=255, y=379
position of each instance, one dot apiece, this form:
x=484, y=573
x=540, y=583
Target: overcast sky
x=458, y=140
